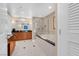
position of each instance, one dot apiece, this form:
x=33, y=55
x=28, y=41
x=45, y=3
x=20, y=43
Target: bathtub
x=48, y=49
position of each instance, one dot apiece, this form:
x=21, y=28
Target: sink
x=9, y=35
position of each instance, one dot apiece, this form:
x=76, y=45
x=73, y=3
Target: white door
x=68, y=29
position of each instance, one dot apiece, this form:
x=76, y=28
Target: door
x=68, y=29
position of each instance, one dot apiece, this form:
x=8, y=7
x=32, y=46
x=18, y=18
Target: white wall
x=44, y=25
x=5, y=28
x=50, y=23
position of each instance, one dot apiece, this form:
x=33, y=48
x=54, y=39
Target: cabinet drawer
x=21, y=36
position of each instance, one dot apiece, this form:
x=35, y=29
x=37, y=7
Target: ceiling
x=30, y=9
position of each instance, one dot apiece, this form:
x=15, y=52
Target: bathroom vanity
x=17, y=36
x=21, y=36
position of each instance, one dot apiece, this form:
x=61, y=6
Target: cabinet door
x=29, y=35
x=20, y=35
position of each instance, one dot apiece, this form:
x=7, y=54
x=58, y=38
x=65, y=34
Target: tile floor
x=27, y=48
x=37, y=48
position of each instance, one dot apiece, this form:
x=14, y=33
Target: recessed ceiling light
x=50, y=7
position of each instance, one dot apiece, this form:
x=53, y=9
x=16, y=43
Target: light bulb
x=50, y=7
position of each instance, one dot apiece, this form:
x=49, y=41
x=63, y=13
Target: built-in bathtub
x=49, y=49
